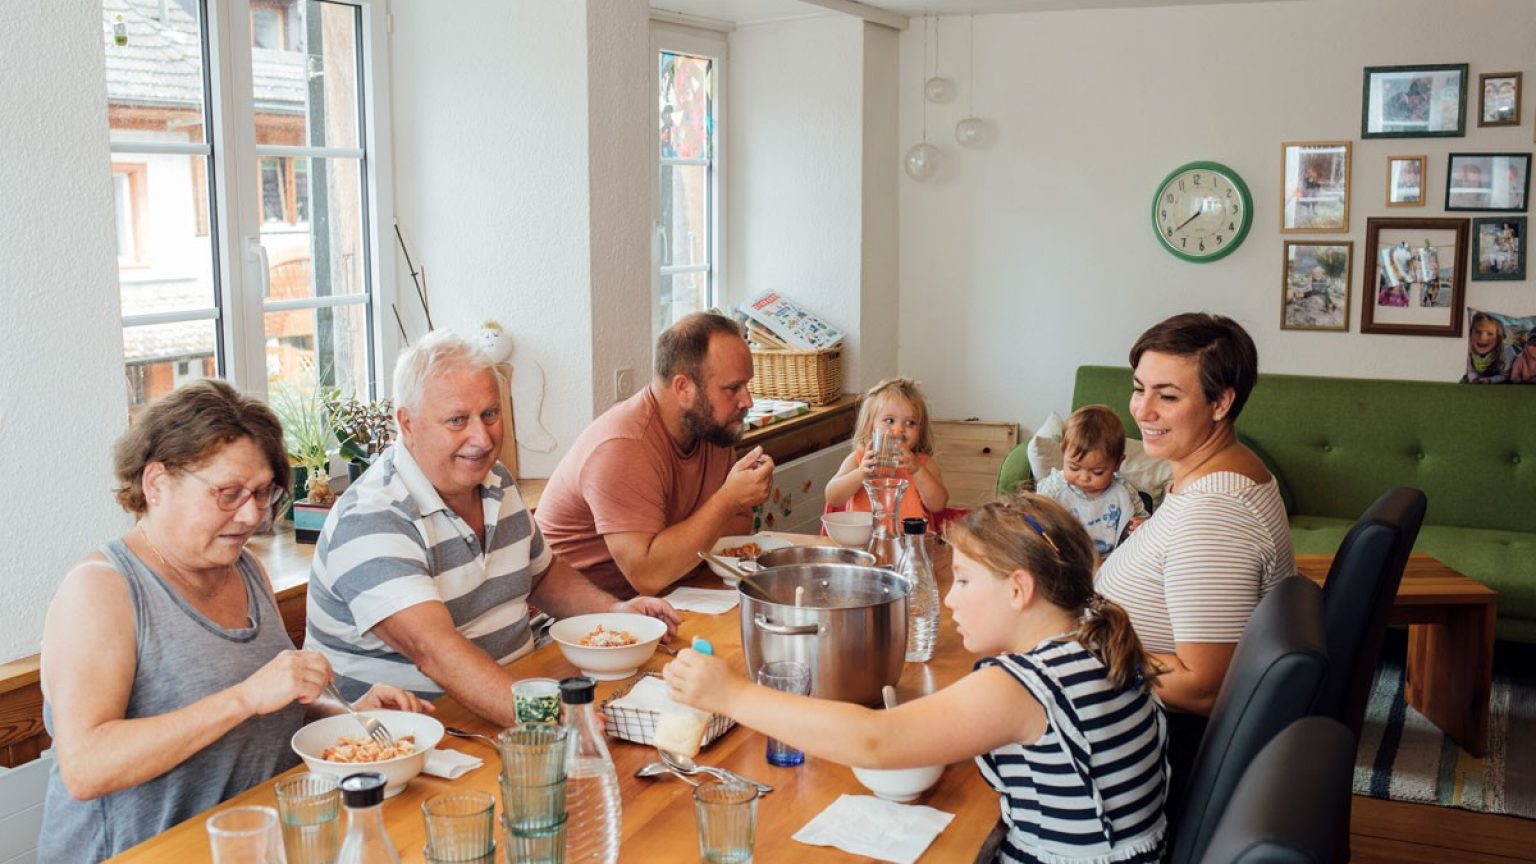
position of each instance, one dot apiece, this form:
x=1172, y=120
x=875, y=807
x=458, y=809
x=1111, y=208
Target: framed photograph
x=1314, y=184
x=1406, y=176
x=1315, y=292
x=1498, y=101
x=1498, y=248
x=1487, y=181
x=1414, y=102
x=1415, y=276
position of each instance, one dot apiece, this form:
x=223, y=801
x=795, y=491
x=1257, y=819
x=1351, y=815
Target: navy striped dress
x=1091, y=788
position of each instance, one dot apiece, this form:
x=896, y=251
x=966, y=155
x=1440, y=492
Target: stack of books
x=766, y=411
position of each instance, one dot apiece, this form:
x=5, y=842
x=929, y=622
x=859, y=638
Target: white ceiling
x=741, y=12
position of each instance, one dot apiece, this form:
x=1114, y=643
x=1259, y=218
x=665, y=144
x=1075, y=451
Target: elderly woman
x=169, y=682
x=1191, y=576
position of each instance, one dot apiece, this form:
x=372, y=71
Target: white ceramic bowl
x=312, y=740
x=763, y=542
x=849, y=529
x=608, y=664
x=899, y=784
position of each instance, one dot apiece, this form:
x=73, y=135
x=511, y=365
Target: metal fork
x=374, y=728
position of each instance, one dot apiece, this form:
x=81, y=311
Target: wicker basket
x=639, y=726
x=808, y=376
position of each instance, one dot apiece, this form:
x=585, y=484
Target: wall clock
x=1202, y=211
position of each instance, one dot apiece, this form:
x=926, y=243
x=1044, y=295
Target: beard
x=702, y=427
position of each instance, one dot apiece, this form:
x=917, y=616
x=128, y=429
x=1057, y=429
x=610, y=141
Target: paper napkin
x=450, y=764
x=866, y=825
x=649, y=694
x=706, y=600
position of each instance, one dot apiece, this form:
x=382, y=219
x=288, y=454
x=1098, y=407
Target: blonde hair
x=1094, y=429
x=907, y=389
x=1033, y=533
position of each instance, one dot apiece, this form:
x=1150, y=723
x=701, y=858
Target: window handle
x=258, y=253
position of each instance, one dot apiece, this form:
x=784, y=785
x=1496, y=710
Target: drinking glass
x=534, y=806
x=536, y=700
x=245, y=835
x=791, y=677
x=309, y=809
x=887, y=449
x=532, y=754
x=726, y=813
x=544, y=845
x=461, y=826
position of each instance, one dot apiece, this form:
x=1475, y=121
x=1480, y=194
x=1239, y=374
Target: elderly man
x=426, y=567
x=655, y=480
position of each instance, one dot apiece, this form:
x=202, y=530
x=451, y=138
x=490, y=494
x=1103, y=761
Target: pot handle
x=761, y=622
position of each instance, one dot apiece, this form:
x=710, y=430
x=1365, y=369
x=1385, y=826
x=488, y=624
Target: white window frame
x=667, y=35
x=235, y=221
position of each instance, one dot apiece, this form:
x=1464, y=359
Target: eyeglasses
x=232, y=498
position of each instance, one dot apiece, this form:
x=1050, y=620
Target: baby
x=1090, y=486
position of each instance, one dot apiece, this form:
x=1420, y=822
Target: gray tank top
x=182, y=657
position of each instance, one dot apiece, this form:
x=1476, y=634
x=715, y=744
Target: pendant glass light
x=922, y=161
x=937, y=89
x=973, y=131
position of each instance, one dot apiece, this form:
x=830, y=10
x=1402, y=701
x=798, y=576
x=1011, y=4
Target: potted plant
x=307, y=435
x=363, y=429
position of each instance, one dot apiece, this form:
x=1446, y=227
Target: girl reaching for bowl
x=1057, y=711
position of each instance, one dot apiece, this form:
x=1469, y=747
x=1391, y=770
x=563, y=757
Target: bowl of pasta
x=736, y=548
x=338, y=745
x=608, y=646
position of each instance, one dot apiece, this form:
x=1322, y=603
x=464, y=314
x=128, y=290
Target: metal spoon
x=740, y=574
x=656, y=769
x=465, y=733
x=682, y=764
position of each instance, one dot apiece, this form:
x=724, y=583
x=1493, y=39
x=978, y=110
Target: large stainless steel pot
x=814, y=555
x=851, y=630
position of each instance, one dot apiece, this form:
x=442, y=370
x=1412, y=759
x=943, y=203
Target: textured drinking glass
x=533, y=845
x=309, y=809
x=245, y=835
x=532, y=754
x=726, y=813
x=791, y=677
x=431, y=858
x=887, y=449
x=461, y=826
x=534, y=806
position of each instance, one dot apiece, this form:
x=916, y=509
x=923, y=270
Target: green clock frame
x=1237, y=239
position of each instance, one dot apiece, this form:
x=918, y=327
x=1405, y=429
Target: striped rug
x=1404, y=757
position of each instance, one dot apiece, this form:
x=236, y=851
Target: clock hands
x=1190, y=219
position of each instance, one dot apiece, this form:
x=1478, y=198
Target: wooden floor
x=1396, y=831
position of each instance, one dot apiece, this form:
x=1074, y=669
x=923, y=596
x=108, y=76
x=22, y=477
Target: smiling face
x=455, y=434
x=190, y=528
x=1170, y=408
x=985, y=606
x=1485, y=336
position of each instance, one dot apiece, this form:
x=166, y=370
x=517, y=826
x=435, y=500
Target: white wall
x=878, y=274
x=1032, y=257
x=62, y=392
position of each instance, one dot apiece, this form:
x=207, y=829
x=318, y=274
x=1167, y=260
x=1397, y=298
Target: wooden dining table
x=658, y=819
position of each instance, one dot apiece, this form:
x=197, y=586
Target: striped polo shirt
x=1092, y=786
x=390, y=543
x=1195, y=571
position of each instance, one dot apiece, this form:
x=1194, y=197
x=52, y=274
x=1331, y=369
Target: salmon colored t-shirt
x=624, y=474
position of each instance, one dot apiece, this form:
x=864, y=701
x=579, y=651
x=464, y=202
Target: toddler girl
x=1057, y=713
x=1091, y=486
x=894, y=407
x=1523, y=370
x=1489, y=357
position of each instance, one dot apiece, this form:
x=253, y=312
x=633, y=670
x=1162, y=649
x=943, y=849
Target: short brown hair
x=682, y=348
x=185, y=428
x=1223, y=351
x=1033, y=533
x=1094, y=429
x=907, y=389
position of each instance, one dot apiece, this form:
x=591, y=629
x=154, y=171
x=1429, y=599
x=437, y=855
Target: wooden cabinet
x=970, y=453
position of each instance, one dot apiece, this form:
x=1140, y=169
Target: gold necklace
x=165, y=565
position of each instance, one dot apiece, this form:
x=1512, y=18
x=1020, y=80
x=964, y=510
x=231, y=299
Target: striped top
x=1195, y=571
x=391, y=543
x=1091, y=788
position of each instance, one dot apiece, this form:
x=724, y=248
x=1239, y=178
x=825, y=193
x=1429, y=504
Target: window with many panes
x=688, y=194
x=263, y=282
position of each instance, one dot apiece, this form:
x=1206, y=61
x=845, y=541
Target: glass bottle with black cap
x=366, y=841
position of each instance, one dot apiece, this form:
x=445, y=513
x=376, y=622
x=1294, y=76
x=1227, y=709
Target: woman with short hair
x=169, y=682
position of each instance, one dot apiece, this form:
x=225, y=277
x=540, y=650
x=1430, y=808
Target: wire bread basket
x=639, y=726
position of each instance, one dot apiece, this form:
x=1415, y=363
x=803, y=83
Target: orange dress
x=911, y=501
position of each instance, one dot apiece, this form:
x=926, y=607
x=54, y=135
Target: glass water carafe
x=885, y=504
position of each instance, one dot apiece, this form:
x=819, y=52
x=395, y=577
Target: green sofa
x=1337, y=443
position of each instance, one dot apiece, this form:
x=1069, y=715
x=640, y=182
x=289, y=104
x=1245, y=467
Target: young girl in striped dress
x=1057, y=713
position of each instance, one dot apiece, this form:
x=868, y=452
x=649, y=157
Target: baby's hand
x=1135, y=523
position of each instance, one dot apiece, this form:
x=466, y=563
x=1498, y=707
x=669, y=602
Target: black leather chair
x=1292, y=802
x=1273, y=680
x=1358, y=596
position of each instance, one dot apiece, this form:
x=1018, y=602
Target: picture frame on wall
x=1314, y=290
x=1487, y=181
x=1414, y=101
x=1498, y=248
x=1314, y=186
x=1498, y=101
x=1406, y=176
x=1415, y=276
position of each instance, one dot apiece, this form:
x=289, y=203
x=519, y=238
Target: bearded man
x=655, y=480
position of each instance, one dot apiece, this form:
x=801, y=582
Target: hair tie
x=1096, y=603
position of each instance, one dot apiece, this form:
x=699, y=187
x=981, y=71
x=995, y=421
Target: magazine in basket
x=792, y=325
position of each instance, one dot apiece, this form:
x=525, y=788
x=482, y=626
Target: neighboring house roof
x=157, y=342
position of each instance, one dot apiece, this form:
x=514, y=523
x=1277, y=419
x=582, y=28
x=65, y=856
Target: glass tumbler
x=245, y=835
x=790, y=677
x=726, y=813
x=309, y=810
x=461, y=826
